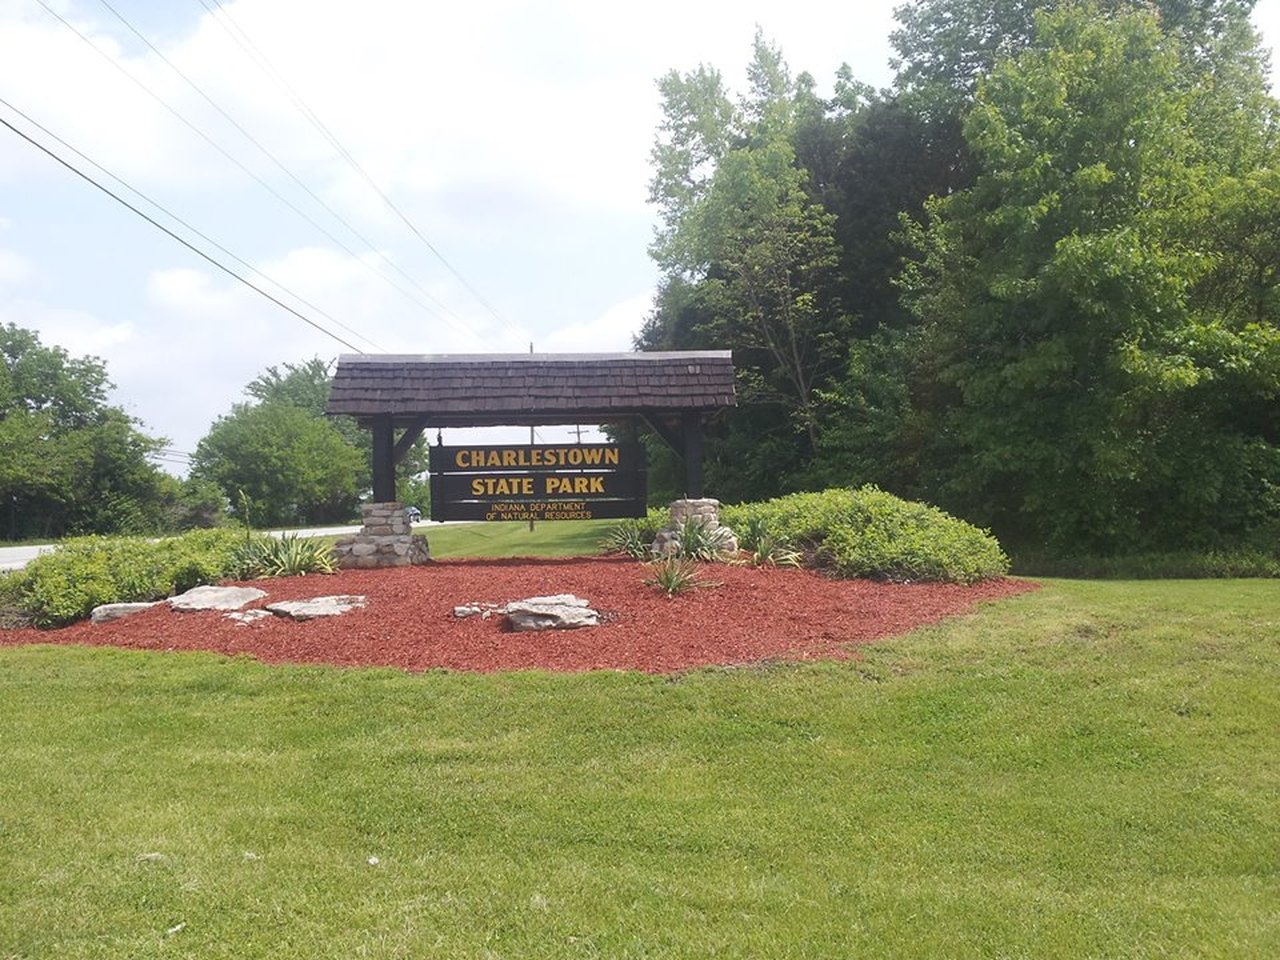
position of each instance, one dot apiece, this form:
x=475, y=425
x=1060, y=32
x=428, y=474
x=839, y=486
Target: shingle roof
x=522, y=388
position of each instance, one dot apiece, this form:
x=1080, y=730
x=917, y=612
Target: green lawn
x=1092, y=770
x=564, y=538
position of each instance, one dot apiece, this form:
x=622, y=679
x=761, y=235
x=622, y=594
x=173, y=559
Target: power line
x=173, y=216
x=259, y=180
x=190, y=246
x=252, y=50
x=272, y=157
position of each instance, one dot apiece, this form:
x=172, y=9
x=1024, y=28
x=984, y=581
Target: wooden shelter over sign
x=400, y=396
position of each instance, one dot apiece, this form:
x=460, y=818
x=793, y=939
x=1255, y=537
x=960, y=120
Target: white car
x=414, y=514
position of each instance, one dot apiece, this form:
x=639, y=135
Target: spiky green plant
x=630, y=537
x=675, y=574
x=700, y=542
x=287, y=556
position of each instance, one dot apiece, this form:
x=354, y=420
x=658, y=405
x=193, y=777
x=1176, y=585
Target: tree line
x=1035, y=282
x=71, y=463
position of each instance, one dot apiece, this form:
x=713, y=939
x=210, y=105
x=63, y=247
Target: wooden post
x=691, y=429
x=384, y=459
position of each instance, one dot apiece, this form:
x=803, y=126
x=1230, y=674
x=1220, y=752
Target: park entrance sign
x=588, y=481
x=397, y=397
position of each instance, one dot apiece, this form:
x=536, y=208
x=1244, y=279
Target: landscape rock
x=316, y=607
x=114, y=611
x=245, y=617
x=560, y=612
x=216, y=598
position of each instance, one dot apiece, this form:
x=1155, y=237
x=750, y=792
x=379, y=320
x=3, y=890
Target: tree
x=747, y=252
x=306, y=386
x=295, y=468
x=69, y=461
x=1093, y=345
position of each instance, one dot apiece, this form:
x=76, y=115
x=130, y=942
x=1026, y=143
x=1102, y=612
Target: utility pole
x=531, y=438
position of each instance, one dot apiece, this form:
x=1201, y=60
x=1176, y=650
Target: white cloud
x=76, y=331
x=611, y=332
x=15, y=269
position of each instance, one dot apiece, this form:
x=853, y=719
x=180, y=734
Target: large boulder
x=316, y=607
x=560, y=612
x=216, y=598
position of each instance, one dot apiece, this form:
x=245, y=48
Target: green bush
x=63, y=586
x=696, y=541
x=866, y=532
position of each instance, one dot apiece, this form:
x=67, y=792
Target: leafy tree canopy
x=1096, y=339
x=294, y=467
x=69, y=461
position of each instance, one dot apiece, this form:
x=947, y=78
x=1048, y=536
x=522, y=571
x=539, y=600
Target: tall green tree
x=284, y=423
x=1093, y=345
x=306, y=386
x=294, y=467
x=70, y=462
x=747, y=253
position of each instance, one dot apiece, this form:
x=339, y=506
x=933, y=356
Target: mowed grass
x=1092, y=770
x=564, y=538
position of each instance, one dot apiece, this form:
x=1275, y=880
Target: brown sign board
x=537, y=482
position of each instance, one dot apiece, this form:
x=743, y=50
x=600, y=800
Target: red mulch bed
x=752, y=615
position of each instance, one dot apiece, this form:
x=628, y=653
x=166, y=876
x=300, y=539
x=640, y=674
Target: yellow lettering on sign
x=574, y=485
x=461, y=460
x=502, y=487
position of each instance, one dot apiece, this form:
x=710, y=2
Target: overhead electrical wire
x=222, y=16
x=272, y=157
x=260, y=181
x=177, y=219
x=190, y=246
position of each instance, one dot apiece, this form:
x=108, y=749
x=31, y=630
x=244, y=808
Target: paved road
x=15, y=558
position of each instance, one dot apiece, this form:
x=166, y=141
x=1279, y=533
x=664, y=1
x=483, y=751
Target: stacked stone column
x=704, y=512
x=385, y=540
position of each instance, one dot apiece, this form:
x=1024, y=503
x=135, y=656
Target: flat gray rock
x=561, y=612
x=316, y=607
x=555, y=600
x=114, y=611
x=246, y=617
x=216, y=598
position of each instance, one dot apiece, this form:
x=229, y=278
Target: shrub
x=866, y=532
x=627, y=537
x=1187, y=565
x=65, y=585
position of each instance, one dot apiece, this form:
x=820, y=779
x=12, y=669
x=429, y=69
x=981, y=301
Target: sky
x=513, y=140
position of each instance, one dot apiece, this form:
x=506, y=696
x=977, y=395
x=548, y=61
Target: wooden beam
x=691, y=431
x=670, y=436
x=409, y=438
x=384, y=461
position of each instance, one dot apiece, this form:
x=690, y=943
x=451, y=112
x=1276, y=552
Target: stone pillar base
x=385, y=540
x=704, y=512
